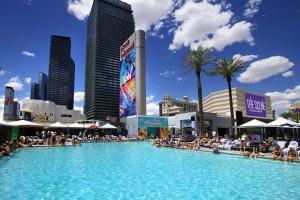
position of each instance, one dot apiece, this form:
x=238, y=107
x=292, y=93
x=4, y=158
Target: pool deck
x=235, y=153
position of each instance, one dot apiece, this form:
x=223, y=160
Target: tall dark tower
x=43, y=86
x=110, y=23
x=60, y=86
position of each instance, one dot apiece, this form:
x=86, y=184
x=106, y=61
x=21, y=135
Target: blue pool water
x=140, y=171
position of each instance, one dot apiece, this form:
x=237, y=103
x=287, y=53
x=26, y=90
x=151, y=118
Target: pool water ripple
x=140, y=171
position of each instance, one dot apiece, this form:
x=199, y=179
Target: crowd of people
x=244, y=145
x=53, y=138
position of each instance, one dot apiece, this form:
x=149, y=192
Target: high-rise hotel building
x=110, y=23
x=60, y=86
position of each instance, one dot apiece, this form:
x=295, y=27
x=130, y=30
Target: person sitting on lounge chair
x=292, y=155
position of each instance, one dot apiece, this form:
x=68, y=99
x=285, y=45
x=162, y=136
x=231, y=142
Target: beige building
x=295, y=107
x=252, y=105
x=170, y=106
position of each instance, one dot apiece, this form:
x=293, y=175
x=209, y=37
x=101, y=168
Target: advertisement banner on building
x=128, y=78
x=8, y=103
x=255, y=105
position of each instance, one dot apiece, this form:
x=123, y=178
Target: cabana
x=58, y=125
x=24, y=124
x=281, y=122
x=108, y=128
x=23, y=127
x=255, y=124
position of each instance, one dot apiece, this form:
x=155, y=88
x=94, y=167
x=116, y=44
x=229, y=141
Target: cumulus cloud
x=156, y=10
x=28, y=53
x=28, y=80
x=288, y=74
x=167, y=73
x=281, y=101
x=150, y=98
x=78, y=96
x=152, y=106
x=252, y=7
x=265, y=68
x=208, y=24
x=245, y=58
x=16, y=83
x=80, y=108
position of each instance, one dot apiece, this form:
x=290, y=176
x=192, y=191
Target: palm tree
x=195, y=61
x=227, y=68
x=292, y=115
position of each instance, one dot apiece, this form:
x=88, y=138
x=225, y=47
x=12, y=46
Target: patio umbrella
x=58, y=125
x=23, y=123
x=108, y=126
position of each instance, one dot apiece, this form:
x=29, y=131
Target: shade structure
x=253, y=123
x=58, y=125
x=23, y=123
x=4, y=123
x=76, y=125
x=108, y=126
x=281, y=122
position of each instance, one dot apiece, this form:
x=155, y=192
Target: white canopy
x=76, y=125
x=108, y=126
x=281, y=122
x=253, y=123
x=4, y=123
x=58, y=125
x=23, y=123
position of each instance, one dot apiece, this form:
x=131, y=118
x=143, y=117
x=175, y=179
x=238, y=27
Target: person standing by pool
x=244, y=139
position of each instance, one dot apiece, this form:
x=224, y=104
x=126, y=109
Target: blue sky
x=264, y=33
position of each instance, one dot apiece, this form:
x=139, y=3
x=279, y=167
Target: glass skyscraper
x=43, y=86
x=110, y=23
x=60, y=86
x=34, y=93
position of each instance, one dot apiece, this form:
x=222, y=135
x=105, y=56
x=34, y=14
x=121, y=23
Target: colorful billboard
x=127, y=84
x=153, y=127
x=8, y=103
x=255, y=105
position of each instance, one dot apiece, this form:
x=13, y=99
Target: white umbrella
x=23, y=123
x=108, y=126
x=58, y=125
x=76, y=125
x=4, y=123
x=253, y=123
x=280, y=122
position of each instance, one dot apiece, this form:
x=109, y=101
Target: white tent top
x=23, y=123
x=253, y=123
x=280, y=121
x=108, y=126
x=76, y=125
x=4, y=123
x=58, y=125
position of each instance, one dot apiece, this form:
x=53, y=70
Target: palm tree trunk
x=231, y=105
x=200, y=103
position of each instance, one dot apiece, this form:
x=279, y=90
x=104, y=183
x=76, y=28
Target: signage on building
x=144, y=122
x=40, y=118
x=255, y=105
x=8, y=103
x=128, y=78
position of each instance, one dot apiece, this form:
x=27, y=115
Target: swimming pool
x=140, y=171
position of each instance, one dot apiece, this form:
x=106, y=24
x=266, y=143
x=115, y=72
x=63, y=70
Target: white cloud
x=288, y=74
x=146, y=13
x=28, y=53
x=281, y=101
x=80, y=108
x=28, y=80
x=2, y=72
x=150, y=98
x=265, y=68
x=167, y=73
x=179, y=79
x=208, y=24
x=16, y=83
x=245, y=58
x=78, y=96
x=252, y=7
